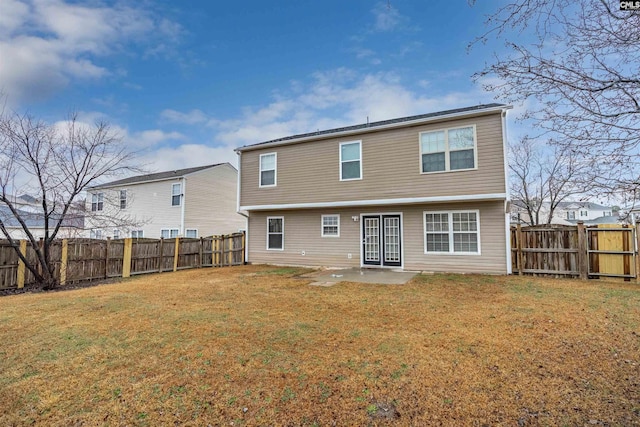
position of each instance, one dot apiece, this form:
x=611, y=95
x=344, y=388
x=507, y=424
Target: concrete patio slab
x=360, y=275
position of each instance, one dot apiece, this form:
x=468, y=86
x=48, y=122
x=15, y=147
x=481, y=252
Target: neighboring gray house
x=426, y=192
x=193, y=202
x=567, y=213
x=72, y=226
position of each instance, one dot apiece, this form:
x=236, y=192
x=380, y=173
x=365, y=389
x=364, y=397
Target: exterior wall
x=211, y=202
x=302, y=232
x=391, y=168
x=38, y=232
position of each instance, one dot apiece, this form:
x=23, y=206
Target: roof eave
x=474, y=113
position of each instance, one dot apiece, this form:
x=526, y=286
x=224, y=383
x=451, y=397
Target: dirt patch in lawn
x=256, y=345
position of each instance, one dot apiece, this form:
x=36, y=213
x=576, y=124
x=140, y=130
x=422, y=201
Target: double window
x=350, y=161
x=97, y=202
x=275, y=233
x=176, y=194
x=137, y=234
x=169, y=233
x=330, y=225
x=452, y=232
x=95, y=234
x=448, y=150
x=268, y=169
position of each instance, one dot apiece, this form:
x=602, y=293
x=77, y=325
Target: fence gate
x=612, y=252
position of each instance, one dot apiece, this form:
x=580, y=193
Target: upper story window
x=97, y=202
x=176, y=194
x=350, y=160
x=448, y=150
x=123, y=199
x=452, y=232
x=268, y=169
x=330, y=225
x=584, y=213
x=571, y=215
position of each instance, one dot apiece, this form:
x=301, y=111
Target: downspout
x=182, y=208
x=246, y=228
x=507, y=203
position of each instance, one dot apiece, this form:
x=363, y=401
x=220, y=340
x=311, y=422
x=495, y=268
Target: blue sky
x=186, y=82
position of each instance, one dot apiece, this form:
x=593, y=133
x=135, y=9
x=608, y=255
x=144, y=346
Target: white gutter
x=379, y=202
x=472, y=113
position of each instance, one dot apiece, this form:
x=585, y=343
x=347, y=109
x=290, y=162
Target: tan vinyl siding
x=309, y=172
x=211, y=202
x=303, y=233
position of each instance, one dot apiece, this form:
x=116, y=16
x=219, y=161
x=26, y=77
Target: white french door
x=381, y=240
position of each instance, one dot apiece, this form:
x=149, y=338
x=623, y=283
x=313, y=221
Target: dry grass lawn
x=255, y=345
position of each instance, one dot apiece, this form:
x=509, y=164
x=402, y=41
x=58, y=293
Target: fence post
x=201, y=252
x=231, y=246
x=161, y=249
x=106, y=258
x=583, y=254
x=637, y=249
x=63, y=262
x=519, y=256
x=244, y=247
x=176, y=252
x=22, y=268
x=126, y=257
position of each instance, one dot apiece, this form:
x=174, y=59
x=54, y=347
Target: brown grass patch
x=255, y=345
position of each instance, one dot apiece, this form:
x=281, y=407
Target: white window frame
x=97, y=202
x=281, y=218
x=139, y=234
x=116, y=233
x=95, y=233
x=447, y=152
x=275, y=170
x=173, y=194
x=359, y=159
x=450, y=232
x=172, y=233
x=571, y=214
x=322, y=225
x=186, y=233
x=123, y=192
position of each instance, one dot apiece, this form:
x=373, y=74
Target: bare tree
x=56, y=163
x=541, y=179
x=578, y=63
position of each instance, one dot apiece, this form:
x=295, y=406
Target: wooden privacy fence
x=576, y=251
x=79, y=260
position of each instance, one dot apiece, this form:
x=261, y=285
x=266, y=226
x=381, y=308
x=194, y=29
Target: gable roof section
x=159, y=176
x=402, y=121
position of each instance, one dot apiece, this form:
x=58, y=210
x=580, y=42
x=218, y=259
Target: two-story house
x=426, y=192
x=565, y=213
x=193, y=202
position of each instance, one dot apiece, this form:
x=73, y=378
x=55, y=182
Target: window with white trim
x=275, y=233
x=169, y=233
x=584, y=213
x=350, y=160
x=330, y=225
x=123, y=199
x=268, y=169
x=97, y=202
x=137, y=234
x=176, y=194
x=452, y=232
x=448, y=150
x=191, y=233
x=571, y=215
x=116, y=233
x=95, y=234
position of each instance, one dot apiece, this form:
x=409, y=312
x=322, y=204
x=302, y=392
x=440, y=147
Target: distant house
x=425, y=192
x=566, y=213
x=72, y=225
x=193, y=202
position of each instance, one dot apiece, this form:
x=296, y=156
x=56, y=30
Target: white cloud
x=47, y=44
x=188, y=155
x=387, y=18
x=190, y=118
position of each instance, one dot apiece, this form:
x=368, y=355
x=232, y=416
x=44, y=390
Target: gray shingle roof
x=379, y=123
x=156, y=176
